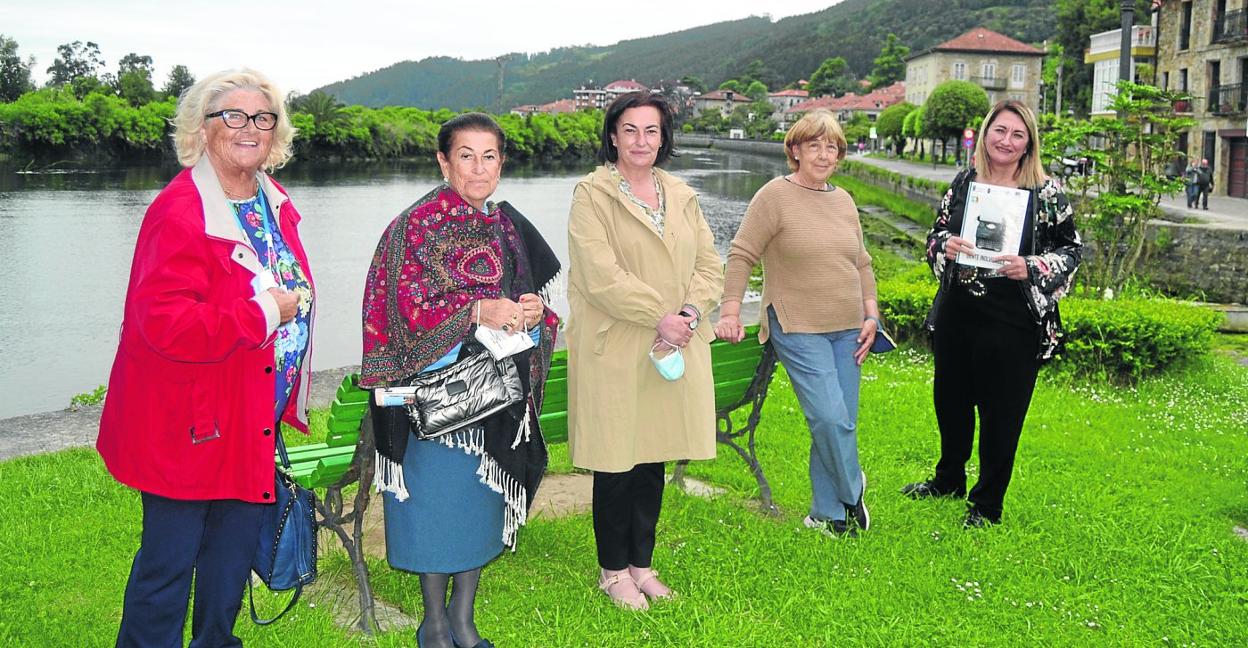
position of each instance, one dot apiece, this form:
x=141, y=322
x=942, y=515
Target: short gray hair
x=200, y=99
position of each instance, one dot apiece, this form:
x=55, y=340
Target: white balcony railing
x=1141, y=36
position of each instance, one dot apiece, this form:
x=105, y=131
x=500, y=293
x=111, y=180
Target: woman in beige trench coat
x=644, y=274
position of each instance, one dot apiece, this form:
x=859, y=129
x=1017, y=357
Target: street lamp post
x=1124, y=55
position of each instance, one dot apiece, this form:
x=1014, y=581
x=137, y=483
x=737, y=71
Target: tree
x=950, y=108
x=1053, y=60
x=756, y=91
x=758, y=71
x=322, y=106
x=731, y=84
x=1077, y=20
x=1115, y=201
x=888, y=125
x=134, y=79
x=180, y=79
x=694, y=82
x=75, y=61
x=890, y=66
x=833, y=77
x=14, y=72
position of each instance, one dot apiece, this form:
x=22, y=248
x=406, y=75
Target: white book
x=993, y=222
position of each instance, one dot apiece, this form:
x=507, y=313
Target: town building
x=1004, y=67
x=1202, y=49
x=784, y=100
x=1103, y=54
x=595, y=97
x=845, y=107
x=554, y=107
x=725, y=101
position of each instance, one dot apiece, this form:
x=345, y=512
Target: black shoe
x=858, y=512
x=929, y=488
x=976, y=520
x=842, y=528
x=833, y=528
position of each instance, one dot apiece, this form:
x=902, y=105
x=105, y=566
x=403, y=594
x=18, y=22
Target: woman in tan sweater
x=819, y=308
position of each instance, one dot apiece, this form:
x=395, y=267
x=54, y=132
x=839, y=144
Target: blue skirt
x=450, y=522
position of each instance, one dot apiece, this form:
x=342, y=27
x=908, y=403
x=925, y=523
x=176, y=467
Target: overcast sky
x=306, y=44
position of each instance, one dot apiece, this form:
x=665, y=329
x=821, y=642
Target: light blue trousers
x=825, y=377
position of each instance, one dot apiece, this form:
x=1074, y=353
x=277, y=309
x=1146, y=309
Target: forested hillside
x=791, y=49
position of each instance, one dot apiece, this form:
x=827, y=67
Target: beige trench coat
x=622, y=280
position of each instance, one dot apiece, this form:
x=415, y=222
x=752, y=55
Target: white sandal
x=649, y=575
x=634, y=600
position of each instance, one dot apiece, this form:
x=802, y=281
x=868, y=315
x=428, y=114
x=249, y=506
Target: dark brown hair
x=607, y=152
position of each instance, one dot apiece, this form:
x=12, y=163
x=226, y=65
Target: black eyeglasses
x=238, y=119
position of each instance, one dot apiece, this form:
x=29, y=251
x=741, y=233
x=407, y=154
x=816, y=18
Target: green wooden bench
x=742, y=374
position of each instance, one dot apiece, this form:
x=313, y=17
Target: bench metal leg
x=755, y=396
x=361, y=472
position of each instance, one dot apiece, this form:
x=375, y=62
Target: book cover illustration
x=993, y=222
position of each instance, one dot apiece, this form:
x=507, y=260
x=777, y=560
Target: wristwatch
x=693, y=325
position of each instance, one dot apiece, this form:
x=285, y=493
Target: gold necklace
x=235, y=196
x=793, y=177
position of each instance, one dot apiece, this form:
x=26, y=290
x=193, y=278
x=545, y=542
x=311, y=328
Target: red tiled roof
x=874, y=100
x=625, y=84
x=722, y=95
x=812, y=104
x=790, y=93
x=986, y=40
x=560, y=106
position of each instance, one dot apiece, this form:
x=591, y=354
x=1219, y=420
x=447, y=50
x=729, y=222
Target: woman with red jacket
x=211, y=359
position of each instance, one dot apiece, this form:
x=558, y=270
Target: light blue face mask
x=670, y=366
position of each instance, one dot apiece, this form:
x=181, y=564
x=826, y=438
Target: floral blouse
x=656, y=215
x=290, y=346
x=1051, y=270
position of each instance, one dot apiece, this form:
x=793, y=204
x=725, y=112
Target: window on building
x=959, y=71
x=1213, y=81
x=1165, y=80
x=989, y=71
x=1185, y=26
x=1018, y=76
x=1182, y=80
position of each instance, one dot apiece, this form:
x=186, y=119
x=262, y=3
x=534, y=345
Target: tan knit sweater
x=816, y=270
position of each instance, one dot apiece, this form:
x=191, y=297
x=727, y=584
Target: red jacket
x=189, y=411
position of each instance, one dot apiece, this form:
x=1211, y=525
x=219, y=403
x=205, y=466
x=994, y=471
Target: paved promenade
x=1223, y=213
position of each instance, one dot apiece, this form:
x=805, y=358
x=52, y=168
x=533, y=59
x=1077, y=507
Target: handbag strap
x=281, y=448
x=251, y=599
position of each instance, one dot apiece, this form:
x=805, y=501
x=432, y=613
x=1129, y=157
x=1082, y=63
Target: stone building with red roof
x=1003, y=67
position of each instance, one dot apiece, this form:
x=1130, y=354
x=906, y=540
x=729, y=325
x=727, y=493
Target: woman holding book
x=993, y=328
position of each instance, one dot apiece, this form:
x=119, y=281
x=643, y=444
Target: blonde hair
x=816, y=124
x=201, y=99
x=1030, y=171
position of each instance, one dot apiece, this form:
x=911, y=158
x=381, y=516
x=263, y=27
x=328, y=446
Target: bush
x=904, y=303
x=1132, y=338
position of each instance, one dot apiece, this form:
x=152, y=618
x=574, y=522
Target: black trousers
x=626, y=512
x=214, y=540
x=990, y=366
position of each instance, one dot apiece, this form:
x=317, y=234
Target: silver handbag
x=463, y=393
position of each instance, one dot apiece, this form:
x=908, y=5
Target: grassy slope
x=1118, y=532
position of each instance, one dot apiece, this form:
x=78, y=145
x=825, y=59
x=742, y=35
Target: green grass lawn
x=1118, y=532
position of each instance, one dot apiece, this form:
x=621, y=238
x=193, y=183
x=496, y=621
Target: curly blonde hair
x=201, y=99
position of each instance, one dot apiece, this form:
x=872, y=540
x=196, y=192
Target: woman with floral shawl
x=448, y=263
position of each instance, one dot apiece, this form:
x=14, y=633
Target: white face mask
x=670, y=366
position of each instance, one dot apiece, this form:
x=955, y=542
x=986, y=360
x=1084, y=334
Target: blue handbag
x=286, y=552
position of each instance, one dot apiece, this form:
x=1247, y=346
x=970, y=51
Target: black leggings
x=626, y=512
x=990, y=365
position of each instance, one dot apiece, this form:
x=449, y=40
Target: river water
x=69, y=238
